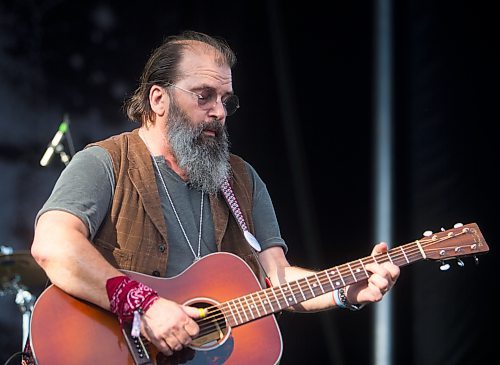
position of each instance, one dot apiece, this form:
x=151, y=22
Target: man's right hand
x=170, y=326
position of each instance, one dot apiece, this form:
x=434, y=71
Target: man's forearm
x=70, y=261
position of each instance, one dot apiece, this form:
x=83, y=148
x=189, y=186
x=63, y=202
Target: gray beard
x=205, y=160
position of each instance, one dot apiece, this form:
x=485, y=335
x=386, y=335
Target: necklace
x=197, y=254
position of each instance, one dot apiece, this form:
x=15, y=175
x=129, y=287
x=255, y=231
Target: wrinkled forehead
x=198, y=49
x=203, y=60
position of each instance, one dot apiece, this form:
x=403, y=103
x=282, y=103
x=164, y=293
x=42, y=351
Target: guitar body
x=65, y=330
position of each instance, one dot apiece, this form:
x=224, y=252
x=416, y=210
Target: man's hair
x=162, y=68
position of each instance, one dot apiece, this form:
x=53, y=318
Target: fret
x=374, y=259
x=237, y=311
x=323, y=284
x=284, y=295
x=310, y=288
x=301, y=292
x=404, y=254
x=359, y=273
x=256, y=306
x=268, y=301
x=330, y=280
x=263, y=306
x=389, y=256
x=232, y=313
x=352, y=273
x=337, y=283
x=364, y=269
x=314, y=284
x=243, y=310
x=319, y=282
x=415, y=255
x=420, y=248
x=291, y=291
x=340, y=275
x=277, y=300
x=249, y=307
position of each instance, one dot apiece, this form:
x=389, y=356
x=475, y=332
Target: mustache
x=213, y=126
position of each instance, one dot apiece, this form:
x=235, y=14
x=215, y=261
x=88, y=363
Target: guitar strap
x=233, y=204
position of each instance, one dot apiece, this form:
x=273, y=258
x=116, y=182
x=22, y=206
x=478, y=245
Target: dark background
x=305, y=77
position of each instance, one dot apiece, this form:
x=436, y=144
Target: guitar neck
x=272, y=300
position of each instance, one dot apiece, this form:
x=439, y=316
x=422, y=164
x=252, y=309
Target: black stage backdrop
x=305, y=80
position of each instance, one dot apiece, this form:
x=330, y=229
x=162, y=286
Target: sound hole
x=213, y=327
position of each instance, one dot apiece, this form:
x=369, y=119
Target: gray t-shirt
x=86, y=187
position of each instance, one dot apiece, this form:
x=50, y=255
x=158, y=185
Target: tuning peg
x=458, y=225
x=460, y=262
x=476, y=260
x=427, y=233
x=444, y=266
x=442, y=229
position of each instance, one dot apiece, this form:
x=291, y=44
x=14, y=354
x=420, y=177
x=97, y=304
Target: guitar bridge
x=136, y=346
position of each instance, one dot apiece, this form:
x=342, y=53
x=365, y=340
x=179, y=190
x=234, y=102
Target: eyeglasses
x=207, y=98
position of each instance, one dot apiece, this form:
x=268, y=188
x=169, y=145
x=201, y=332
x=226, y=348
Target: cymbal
x=20, y=267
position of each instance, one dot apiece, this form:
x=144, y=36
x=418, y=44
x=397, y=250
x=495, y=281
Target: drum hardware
x=19, y=273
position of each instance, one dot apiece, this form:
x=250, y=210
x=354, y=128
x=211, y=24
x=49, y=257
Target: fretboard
x=272, y=300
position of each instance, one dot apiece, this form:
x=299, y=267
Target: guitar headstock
x=460, y=241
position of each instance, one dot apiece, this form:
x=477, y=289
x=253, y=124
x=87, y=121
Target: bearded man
x=154, y=200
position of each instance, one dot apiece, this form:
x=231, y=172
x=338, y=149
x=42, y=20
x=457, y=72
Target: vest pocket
x=119, y=258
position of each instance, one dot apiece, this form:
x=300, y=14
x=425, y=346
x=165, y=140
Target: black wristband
x=345, y=302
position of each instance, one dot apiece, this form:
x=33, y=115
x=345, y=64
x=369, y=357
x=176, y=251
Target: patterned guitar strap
x=233, y=204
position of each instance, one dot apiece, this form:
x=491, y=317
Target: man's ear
x=158, y=100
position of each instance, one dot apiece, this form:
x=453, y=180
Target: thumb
x=194, y=312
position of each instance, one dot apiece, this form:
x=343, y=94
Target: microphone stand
x=25, y=301
x=65, y=158
x=70, y=142
x=62, y=154
x=59, y=148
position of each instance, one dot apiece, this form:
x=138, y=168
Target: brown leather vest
x=133, y=235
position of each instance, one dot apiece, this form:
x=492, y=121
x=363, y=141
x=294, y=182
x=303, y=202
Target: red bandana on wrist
x=127, y=296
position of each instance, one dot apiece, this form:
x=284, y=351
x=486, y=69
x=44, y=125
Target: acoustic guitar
x=240, y=326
